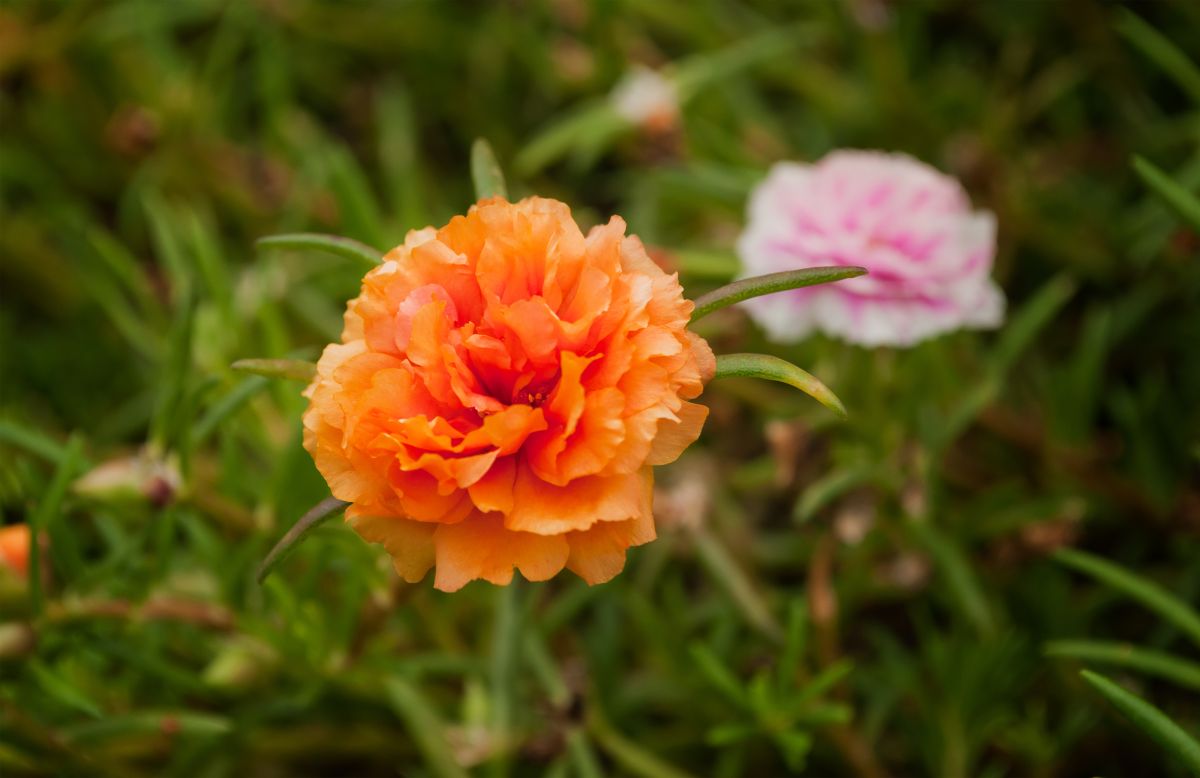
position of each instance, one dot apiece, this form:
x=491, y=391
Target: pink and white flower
x=929, y=255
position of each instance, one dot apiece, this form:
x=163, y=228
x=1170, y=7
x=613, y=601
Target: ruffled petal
x=674, y=437
x=481, y=547
x=598, y=553
x=550, y=510
x=410, y=543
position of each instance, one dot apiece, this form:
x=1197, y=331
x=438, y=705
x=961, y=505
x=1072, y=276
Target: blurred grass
x=870, y=597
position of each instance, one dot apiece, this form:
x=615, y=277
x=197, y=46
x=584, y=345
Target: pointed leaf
x=427, y=730
x=346, y=248
x=775, y=369
x=46, y=517
x=486, y=172
x=1183, y=202
x=1148, y=594
x=1146, y=660
x=316, y=516
x=769, y=284
x=1150, y=719
x=1159, y=48
x=293, y=369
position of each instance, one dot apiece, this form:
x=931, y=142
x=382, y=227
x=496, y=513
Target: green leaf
x=424, y=726
x=316, y=516
x=718, y=674
x=146, y=723
x=172, y=399
x=1157, y=663
x=485, y=171
x=46, y=516
x=227, y=406
x=794, y=643
x=60, y=689
x=1024, y=326
x=596, y=122
x=292, y=369
x=357, y=205
x=1181, y=200
x=1149, y=719
x=583, y=757
x=32, y=440
x=959, y=575
x=775, y=369
x=769, y=284
x=694, y=74
x=828, y=488
x=1157, y=47
x=823, y=682
x=1149, y=594
x=345, y=248
x=729, y=574
x=627, y=753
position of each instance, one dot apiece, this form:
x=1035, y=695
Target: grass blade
x=424, y=726
x=227, y=406
x=627, y=753
x=1149, y=719
x=769, y=284
x=960, y=577
x=1157, y=47
x=1156, y=663
x=31, y=440
x=1183, y=202
x=44, y=518
x=486, y=172
x=291, y=369
x=316, y=516
x=717, y=674
x=775, y=369
x=1023, y=327
x=134, y=725
x=1149, y=594
x=345, y=248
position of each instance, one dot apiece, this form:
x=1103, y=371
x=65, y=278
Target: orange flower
x=502, y=389
x=14, y=548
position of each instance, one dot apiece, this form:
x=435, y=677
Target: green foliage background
x=870, y=597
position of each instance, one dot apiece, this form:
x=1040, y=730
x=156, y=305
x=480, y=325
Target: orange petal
x=410, y=543
x=421, y=500
x=481, y=547
x=597, y=437
x=705, y=361
x=494, y=492
x=550, y=510
x=598, y=554
x=675, y=436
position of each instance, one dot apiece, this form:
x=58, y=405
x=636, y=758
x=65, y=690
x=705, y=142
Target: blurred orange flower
x=503, y=386
x=14, y=548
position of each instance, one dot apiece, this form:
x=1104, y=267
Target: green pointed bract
x=1156, y=724
x=317, y=515
x=346, y=248
x=776, y=369
x=485, y=172
x=769, y=284
x=291, y=369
